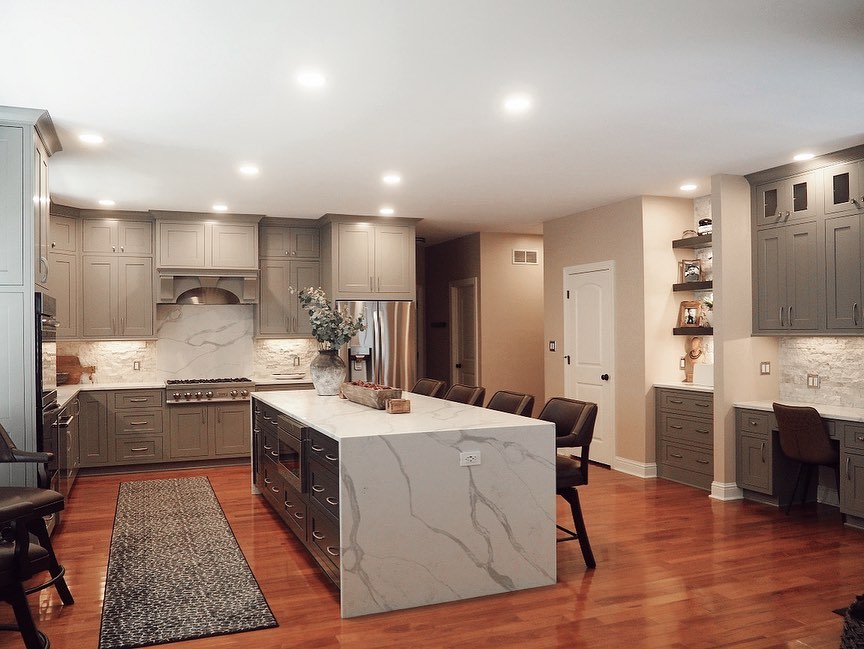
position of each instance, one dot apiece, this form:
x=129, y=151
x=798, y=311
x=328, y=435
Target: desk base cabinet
x=685, y=436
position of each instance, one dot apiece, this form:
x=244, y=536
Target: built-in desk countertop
x=826, y=411
x=417, y=528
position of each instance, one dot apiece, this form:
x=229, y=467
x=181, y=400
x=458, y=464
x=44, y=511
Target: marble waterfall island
x=417, y=528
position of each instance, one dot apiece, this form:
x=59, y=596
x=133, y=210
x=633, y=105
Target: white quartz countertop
x=66, y=393
x=340, y=418
x=827, y=411
x=272, y=380
x=693, y=387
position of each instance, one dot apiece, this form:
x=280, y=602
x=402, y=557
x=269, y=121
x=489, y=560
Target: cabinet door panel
x=273, y=308
x=93, y=429
x=852, y=484
x=231, y=428
x=355, y=258
x=135, y=303
x=275, y=241
x=803, y=273
x=393, y=259
x=843, y=188
x=11, y=205
x=64, y=288
x=843, y=265
x=305, y=243
x=41, y=217
x=771, y=286
x=62, y=233
x=99, y=293
x=234, y=246
x=754, y=463
x=135, y=237
x=181, y=245
x=188, y=432
x=100, y=236
x=303, y=275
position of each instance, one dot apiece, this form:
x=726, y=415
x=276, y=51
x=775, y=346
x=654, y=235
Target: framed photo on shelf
x=690, y=270
x=690, y=313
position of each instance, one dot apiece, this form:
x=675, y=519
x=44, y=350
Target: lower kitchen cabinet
x=685, y=436
x=93, y=429
x=199, y=431
x=852, y=470
x=69, y=459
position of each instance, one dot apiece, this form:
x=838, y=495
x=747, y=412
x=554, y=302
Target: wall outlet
x=469, y=458
x=551, y=345
x=136, y=365
x=813, y=381
x=765, y=367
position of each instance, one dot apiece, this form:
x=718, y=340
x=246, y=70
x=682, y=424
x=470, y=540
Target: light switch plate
x=765, y=367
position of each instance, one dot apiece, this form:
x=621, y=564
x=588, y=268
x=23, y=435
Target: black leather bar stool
x=516, y=403
x=429, y=387
x=470, y=394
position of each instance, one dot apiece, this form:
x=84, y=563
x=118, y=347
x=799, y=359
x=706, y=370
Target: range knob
x=233, y=394
x=244, y=393
x=198, y=395
x=187, y=396
x=208, y=394
x=176, y=396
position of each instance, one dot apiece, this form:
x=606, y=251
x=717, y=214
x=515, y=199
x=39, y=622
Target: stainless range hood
x=205, y=288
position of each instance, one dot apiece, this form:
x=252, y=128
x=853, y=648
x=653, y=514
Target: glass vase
x=328, y=372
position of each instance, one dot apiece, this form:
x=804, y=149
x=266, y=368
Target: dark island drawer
x=687, y=458
x=697, y=403
x=325, y=535
x=139, y=449
x=699, y=431
x=294, y=509
x=271, y=484
x=325, y=449
x=324, y=488
x=138, y=399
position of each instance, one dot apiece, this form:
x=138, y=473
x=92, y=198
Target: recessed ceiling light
x=219, y=207
x=391, y=179
x=106, y=202
x=386, y=211
x=688, y=188
x=804, y=156
x=249, y=170
x=311, y=79
x=91, y=138
x=517, y=104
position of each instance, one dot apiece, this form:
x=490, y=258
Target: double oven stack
x=47, y=430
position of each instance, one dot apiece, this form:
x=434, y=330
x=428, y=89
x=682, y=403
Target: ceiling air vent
x=523, y=257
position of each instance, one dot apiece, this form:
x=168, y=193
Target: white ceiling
x=630, y=97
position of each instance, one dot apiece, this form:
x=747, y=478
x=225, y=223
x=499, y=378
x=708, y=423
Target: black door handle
x=459, y=365
x=604, y=377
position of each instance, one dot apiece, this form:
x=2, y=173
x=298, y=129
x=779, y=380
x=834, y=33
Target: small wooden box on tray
x=368, y=396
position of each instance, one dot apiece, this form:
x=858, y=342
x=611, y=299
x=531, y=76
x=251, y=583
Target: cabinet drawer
x=138, y=449
x=326, y=449
x=138, y=421
x=270, y=448
x=325, y=535
x=271, y=485
x=687, y=458
x=294, y=511
x=690, y=402
x=753, y=421
x=853, y=436
x=700, y=431
x=324, y=488
x=138, y=399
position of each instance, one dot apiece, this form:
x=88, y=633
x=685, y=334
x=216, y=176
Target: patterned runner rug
x=175, y=571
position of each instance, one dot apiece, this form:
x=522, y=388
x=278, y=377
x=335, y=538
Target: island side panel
x=417, y=528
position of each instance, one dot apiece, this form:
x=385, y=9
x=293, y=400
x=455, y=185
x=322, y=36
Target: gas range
x=178, y=391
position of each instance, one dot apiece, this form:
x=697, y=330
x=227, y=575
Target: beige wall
x=612, y=232
x=511, y=316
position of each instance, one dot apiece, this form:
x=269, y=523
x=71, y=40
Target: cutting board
x=71, y=365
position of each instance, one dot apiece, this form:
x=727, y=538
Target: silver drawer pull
x=703, y=405
x=702, y=461
x=848, y=459
x=332, y=551
x=138, y=423
x=299, y=516
x=860, y=438
x=317, y=449
x=704, y=431
x=331, y=501
x=317, y=535
x=138, y=400
x=275, y=490
x=289, y=505
x=680, y=457
x=266, y=481
x=754, y=422
x=138, y=450
x=274, y=454
x=332, y=458
x=268, y=448
x=678, y=401
x=676, y=427
x=317, y=488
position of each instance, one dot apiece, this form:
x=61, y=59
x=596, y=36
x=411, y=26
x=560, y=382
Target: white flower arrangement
x=331, y=327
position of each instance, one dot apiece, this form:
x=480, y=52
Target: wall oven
x=46, y=386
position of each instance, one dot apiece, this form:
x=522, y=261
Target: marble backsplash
x=193, y=341
x=839, y=362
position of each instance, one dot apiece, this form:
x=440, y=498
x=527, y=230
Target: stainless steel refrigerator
x=386, y=353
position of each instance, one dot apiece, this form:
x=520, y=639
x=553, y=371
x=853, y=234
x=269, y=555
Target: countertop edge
x=691, y=387
x=826, y=411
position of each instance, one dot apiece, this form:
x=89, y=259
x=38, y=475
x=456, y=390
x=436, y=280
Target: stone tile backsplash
x=193, y=341
x=839, y=362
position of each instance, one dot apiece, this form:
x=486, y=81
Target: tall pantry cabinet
x=27, y=141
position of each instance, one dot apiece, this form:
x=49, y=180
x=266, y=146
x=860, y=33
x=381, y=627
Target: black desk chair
x=574, y=427
x=429, y=387
x=469, y=394
x=516, y=403
x=804, y=439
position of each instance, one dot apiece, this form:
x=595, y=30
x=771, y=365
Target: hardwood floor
x=675, y=569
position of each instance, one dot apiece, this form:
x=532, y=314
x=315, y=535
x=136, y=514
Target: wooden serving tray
x=369, y=397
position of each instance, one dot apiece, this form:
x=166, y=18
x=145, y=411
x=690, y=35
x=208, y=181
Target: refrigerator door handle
x=377, y=350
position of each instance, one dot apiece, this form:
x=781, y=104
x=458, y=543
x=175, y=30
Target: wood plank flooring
x=675, y=569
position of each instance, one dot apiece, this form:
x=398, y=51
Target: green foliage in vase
x=331, y=327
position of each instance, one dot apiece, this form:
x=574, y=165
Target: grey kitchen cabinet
x=63, y=286
x=202, y=431
x=755, y=451
x=786, y=200
x=279, y=311
x=844, y=188
x=68, y=449
x=852, y=469
x=117, y=297
x=288, y=241
x=844, y=283
x=41, y=220
x=685, y=436
x=15, y=212
x=788, y=293
x=117, y=236
x=188, y=438
x=93, y=429
x=374, y=259
x=63, y=234
x=136, y=426
x=207, y=245
x=230, y=429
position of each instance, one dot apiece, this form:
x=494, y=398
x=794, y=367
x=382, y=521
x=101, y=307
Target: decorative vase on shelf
x=328, y=372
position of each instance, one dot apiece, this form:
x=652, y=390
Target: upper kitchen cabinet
x=106, y=236
x=369, y=259
x=27, y=140
x=63, y=261
x=845, y=274
x=202, y=243
x=281, y=241
x=117, y=296
x=844, y=189
x=787, y=200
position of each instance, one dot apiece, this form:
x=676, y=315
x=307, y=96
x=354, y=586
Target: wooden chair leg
x=38, y=528
x=571, y=495
x=33, y=639
x=837, y=480
x=795, y=488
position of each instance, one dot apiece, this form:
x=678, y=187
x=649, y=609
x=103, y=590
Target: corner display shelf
x=693, y=243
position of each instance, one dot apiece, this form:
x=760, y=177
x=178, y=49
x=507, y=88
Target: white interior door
x=464, y=354
x=589, y=348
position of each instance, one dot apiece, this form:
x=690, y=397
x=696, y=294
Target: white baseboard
x=631, y=467
x=726, y=491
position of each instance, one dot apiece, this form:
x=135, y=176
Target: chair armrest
x=14, y=511
x=30, y=456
